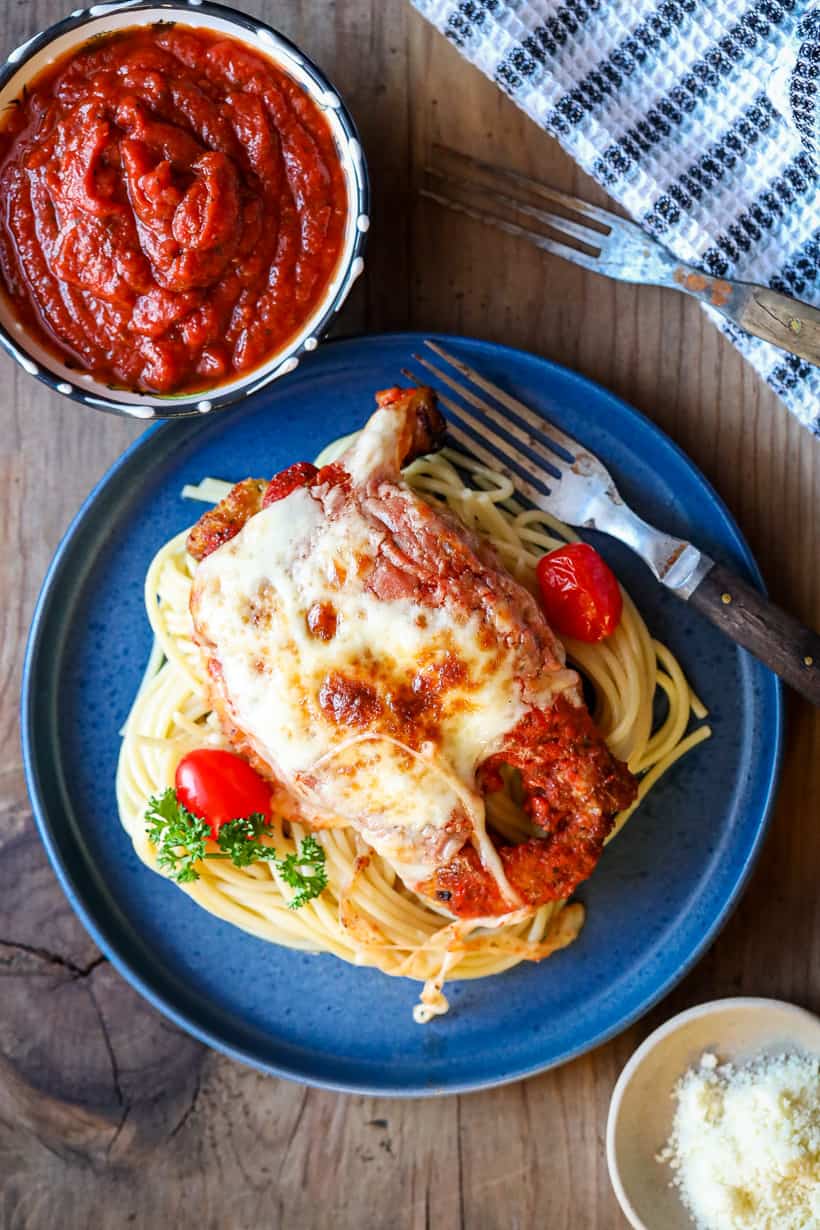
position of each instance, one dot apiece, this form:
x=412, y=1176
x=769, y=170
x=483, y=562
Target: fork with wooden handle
x=560, y=476
x=616, y=248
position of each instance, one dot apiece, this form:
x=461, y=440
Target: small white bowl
x=642, y=1107
x=73, y=32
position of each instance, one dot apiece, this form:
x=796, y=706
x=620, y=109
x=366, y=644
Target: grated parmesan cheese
x=745, y=1145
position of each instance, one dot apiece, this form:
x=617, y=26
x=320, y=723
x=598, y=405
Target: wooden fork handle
x=788, y=323
x=778, y=640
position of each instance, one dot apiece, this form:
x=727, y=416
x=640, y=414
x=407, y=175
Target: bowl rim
x=153, y=406
x=712, y=1007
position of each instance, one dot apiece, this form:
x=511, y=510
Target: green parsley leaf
x=304, y=871
x=178, y=835
x=239, y=839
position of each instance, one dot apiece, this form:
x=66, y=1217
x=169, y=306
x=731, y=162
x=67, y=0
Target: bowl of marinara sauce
x=184, y=206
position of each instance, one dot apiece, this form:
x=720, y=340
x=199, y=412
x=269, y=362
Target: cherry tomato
x=300, y=474
x=219, y=787
x=579, y=593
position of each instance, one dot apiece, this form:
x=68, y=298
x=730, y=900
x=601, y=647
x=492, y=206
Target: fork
x=562, y=477
x=620, y=249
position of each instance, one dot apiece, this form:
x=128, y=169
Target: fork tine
x=586, y=234
x=537, y=495
x=509, y=425
x=541, y=241
x=543, y=428
x=603, y=216
x=502, y=447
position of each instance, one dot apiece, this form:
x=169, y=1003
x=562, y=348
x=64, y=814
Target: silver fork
x=562, y=477
x=619, y=249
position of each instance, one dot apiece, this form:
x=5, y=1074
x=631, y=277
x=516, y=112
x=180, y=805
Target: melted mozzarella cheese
x=416, y=805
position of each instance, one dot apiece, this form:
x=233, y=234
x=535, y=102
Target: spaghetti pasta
x=366, y=915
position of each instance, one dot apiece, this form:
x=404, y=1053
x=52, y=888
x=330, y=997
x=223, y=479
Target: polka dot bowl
x=26, y=62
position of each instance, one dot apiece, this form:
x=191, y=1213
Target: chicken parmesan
x=359, y=734
x=379, y=665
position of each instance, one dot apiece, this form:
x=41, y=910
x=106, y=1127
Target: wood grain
x=786, y=646
x=108, y=1115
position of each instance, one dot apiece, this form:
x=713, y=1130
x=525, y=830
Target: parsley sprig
x=239, y=840
x=304, y=871
x=180, y=839
x=178, y=835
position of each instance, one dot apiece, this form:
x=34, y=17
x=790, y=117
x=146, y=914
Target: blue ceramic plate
x=657, y=899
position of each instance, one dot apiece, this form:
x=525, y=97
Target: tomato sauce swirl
x=173, y=208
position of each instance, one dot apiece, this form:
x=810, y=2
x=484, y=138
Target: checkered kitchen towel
x=664, y=102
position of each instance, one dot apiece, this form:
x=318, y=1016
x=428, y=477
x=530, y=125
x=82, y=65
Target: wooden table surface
x=109, y=1117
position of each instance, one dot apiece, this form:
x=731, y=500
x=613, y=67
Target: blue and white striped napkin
x=665, y=103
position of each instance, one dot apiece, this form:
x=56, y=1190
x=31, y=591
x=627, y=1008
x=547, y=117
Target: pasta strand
x=366, y=916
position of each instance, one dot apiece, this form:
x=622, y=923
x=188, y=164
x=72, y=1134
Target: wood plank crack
x=115, y=1070
x=47, y=957
x=190, y=1108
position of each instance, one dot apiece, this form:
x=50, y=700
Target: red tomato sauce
x=173, y=208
